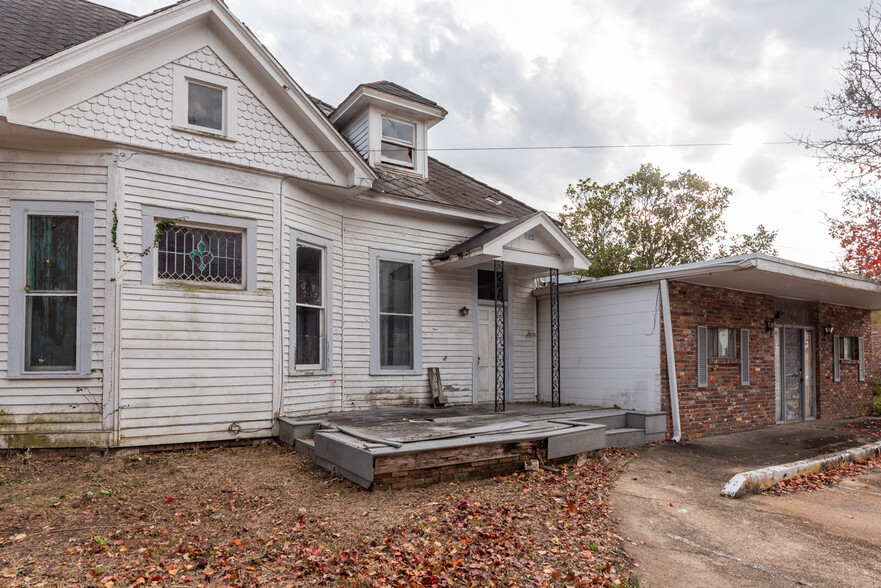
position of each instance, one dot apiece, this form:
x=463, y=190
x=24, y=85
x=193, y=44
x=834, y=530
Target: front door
x=793, y=374
x=486, y=353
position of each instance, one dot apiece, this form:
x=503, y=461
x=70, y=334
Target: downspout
x=671, y=361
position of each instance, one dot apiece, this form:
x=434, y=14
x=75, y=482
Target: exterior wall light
x=828, y=329
x=464, y=311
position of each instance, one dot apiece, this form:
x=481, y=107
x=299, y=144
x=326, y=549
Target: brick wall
x=850, y=397
x=725, y=405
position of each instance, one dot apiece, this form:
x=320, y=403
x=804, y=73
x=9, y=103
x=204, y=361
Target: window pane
x=51, y=333
x=52, y=253
x=486, y=285
x=726, y=343
x=308, y=350
x=308, y=275
x=205, y=106
x=398, y=131
x=395, y=287
x=396, y=341
x=403, y=155
x=712, y=342
x=200, y=255
x=846, y=351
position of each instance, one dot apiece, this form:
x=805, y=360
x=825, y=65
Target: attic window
x=398, y=142
x=205, y=106
x=204, y=103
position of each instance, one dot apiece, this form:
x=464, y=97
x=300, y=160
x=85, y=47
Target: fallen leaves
x=266, y=516
x=811, y=482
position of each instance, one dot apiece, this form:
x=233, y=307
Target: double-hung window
x=398, y=142
x=50, y=315
x=311, y=312
x=396, y=313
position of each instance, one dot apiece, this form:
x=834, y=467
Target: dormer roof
x=390, y=98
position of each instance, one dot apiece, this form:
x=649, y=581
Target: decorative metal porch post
x=499, y=293
x=555, y=336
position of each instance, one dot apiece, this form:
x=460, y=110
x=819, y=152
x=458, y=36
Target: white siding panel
x=194, y=374
x=53, y=412
x=609, y=348
x=358, y=135
x=446, y=335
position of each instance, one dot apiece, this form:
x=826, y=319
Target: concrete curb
x=757, y=480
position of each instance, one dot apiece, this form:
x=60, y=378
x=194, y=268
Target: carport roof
x=761, y=274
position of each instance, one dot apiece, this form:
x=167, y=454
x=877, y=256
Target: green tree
x=648, y=220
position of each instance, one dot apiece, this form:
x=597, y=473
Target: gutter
x=671, y=362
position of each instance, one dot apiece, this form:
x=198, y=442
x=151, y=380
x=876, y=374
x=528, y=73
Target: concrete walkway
x=682, y=532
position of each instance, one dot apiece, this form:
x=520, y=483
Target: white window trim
x=183, y=75
x=20, y=210
x=326, y=366
x=149, y=214
x=377, y=255
x=399, y=143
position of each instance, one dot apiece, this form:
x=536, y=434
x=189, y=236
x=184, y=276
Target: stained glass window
x=197, y=254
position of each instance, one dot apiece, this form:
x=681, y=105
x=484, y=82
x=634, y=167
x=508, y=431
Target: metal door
x=793, y=374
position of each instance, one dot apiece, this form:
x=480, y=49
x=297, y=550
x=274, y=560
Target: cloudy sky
x=597, y=74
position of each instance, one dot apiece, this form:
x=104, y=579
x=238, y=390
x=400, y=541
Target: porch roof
x=533, y=243
x=761, y=274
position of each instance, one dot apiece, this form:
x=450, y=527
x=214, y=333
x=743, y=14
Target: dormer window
x=204, y=106
x=398, y=142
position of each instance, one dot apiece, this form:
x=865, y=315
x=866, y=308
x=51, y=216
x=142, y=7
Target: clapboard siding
x=52, y=412
x=195, y=360
x=522, y=339
x=185, y=374
x=609, y=348
x=358, y=135
x=447, y=337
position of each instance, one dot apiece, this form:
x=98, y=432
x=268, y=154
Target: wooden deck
x=397, y=447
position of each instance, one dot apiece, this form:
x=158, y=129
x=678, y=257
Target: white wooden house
x=192, y=246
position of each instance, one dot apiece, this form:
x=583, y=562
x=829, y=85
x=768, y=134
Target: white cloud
x=519, y=74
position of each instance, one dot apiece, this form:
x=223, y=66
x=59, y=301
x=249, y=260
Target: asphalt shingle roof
x=31, y=29
x=401, y=92
x=449, y=186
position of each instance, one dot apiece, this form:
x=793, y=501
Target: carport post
x=555, y=336
x=671, y=361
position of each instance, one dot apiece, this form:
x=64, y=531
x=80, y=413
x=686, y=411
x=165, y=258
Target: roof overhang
x=760, y=274
x=364, y=96
x=532, y=244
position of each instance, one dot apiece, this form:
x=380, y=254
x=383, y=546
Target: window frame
x=149, y=216
x=398, y=143
x=326, y=245
x=415, y=260
x=713, y=334
x=180, y=106
x=19, y=213
x=853, y=348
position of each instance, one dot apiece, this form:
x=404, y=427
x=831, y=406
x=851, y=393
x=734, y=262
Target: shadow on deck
x=398, y=447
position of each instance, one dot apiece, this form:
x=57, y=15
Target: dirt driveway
x=681, y=532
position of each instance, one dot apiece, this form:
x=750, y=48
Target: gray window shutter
x=836, y=359
x=701, y=357
x=744, y=357
x=862, y=345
